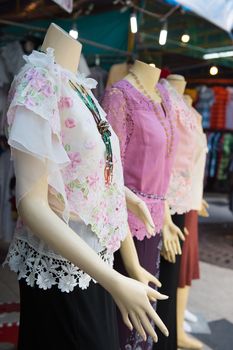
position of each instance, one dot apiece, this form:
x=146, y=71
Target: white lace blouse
x=57, y=134
x=179, y=191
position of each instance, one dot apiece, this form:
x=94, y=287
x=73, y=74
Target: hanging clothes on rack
x=7, y=220
x=11, y=60
x=220, y=145
x=100, y=75
x=12, y=54
x=229, y=109
x=215, y=104
x=204, y=104
x=218, y=110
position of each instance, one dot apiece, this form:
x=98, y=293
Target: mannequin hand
x=171, y=243
x=168, y=255
x=139, y=208
x=133, y=300
x=168, y=224
x=142, y=275
x=132, y=265
x=203, y=211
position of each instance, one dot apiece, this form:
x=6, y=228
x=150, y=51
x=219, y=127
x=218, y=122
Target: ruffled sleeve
x=114, y=104
x=35, y=130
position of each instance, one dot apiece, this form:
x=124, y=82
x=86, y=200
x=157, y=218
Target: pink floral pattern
x=93, y=180
x=179, y=190
x=70, y=123
x=77, y=155
x=65, y=102
x=36, y=90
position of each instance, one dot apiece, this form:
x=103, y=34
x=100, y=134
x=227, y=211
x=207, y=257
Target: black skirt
x=169, y=277
x=79, y=320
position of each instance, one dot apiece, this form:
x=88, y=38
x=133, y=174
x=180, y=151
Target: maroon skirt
x=189, y=268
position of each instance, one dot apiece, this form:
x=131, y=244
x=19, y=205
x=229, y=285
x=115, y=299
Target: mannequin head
x=67, y=50
x=178, y=82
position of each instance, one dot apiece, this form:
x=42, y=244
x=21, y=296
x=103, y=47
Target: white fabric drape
x=218, y=12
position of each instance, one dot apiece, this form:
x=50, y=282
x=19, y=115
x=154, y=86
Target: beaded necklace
x=103, y=128
x=171, y=141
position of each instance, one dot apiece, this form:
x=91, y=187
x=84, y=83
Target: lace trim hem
x=45, y=271
x=138, y=229
x=179, y=193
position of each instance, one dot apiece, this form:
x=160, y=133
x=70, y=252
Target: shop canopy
x=103, y=27
x=218, y=12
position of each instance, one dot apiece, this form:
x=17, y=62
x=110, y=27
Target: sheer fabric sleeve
x=35, y=131
x=114, y=104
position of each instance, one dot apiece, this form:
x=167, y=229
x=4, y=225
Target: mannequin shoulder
x=114, y=92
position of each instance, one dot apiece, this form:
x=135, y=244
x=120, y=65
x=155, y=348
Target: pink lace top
x=143, y=146
x=179, y=191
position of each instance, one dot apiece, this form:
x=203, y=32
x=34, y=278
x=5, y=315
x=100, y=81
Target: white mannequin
x=178, y=82
x=203, y=211
x=184, y=340
x=149, y=76
x=169, y=253
x=188, y=100
x=42, y=220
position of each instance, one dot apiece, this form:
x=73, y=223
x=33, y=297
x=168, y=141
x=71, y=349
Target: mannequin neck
x=188, y=100
x=67, y=50
x=178, y=82
x=148, y=75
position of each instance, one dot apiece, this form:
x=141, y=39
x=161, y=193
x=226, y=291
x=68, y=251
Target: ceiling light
x=152, y=65
x=209, y=56
x=163, y=34
x=133, y=23
x=185, y=38
x=213, y=70
x=74, y=32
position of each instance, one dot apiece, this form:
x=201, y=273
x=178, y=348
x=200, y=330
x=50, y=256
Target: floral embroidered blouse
x=147, y=167
x=57, y=135
x=179, y=190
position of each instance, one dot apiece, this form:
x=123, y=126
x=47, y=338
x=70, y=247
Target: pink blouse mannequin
x=189, y=269
x=178, y=198
x=179, y=191
x=144, y=120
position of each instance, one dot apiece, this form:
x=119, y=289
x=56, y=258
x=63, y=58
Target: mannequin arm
x=171, y=234
x=39, y=217
x=203, y=211
x=139, y=208
x=132, y=264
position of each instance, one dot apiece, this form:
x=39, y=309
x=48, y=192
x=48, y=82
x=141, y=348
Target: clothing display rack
x=213, y=98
